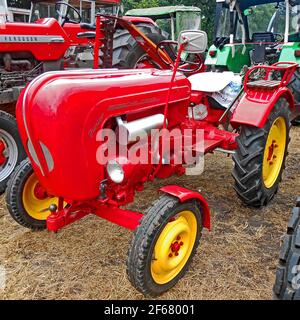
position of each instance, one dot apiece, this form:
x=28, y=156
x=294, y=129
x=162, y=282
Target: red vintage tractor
x=75, y=169
x=50, y=42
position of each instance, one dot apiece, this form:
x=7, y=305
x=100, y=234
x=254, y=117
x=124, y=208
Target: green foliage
x=135, y=4
x=259, y=20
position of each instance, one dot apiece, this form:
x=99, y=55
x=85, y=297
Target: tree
x=134, y=4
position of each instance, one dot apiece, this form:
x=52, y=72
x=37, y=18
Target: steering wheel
x=186, y=65
x=278, y=37
x=66, y=16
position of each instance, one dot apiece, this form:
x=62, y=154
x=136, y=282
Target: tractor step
x=265, y=84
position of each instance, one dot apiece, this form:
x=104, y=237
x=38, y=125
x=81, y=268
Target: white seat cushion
x=211, y=81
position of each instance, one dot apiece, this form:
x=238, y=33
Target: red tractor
x=84, y=130
x=50, y=42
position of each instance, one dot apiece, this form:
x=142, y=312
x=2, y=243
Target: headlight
x=115, y=171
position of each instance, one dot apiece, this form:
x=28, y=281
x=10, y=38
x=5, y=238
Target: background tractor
x=254, y=32
x=287, y=284
x=49, y=42
x=173, y=19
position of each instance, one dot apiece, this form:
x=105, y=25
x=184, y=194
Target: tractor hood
x=161, y=12
x=59, y=115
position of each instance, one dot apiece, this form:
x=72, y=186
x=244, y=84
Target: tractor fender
x=184, y=195
x=254, y=111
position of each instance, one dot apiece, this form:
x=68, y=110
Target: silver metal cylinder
x=128, y=132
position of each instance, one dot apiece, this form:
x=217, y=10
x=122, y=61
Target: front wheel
x=294, y=86
x=26, y=199
x=164, y=244
x=260, y=158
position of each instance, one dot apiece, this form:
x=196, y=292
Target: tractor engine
x=82, y=104
x=16, y=69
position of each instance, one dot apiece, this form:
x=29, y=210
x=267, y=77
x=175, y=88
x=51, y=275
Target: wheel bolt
x=178, y=238
x=181, y=243
x=170, y=255
x=176, y=254
x=271, y=163
x=274, y=157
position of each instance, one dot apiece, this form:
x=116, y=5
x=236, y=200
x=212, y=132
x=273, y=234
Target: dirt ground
x=236, y=260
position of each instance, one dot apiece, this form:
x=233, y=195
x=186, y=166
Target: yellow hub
x=35, y=199
x=174, y=247
x=274, y=152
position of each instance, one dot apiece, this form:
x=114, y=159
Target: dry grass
x=236, y=260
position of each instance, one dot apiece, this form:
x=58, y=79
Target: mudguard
x=261, y=94
x=184, y=195
x=255, y=112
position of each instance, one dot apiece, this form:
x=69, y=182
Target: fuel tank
x=59, y=115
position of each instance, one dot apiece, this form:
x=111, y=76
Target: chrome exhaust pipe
x=129, y=132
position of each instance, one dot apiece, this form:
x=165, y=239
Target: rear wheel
x=294, y=85
x=260, y=158
x=287, y=283
x=164, y=245
x=11, y=148
x=127, y=54
x=27, y=201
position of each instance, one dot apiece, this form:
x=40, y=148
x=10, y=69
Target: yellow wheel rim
x=174, y=247
x=35, y=201
x=274, y=152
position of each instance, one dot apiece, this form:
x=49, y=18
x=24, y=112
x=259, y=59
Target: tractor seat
x=88, y=26
x=221, y=87
x=261, y=48
x=266, y=37
x=211, y=81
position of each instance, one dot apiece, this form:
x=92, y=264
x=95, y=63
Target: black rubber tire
x=294, y=85
x=127, y=52
x=286, y=276
x=14, y=197
x=248, y=159
x=9, y=125
x=145, y=237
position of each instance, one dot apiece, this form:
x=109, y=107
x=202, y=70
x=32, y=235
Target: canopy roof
x=244, y=4
x=160, y=12
x=97, y=1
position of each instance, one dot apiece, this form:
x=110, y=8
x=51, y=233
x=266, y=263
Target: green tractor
x=254, y=32
x=173, y=19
